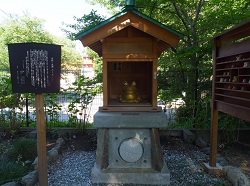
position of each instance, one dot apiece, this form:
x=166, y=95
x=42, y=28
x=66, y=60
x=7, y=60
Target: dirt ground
x=237, y=154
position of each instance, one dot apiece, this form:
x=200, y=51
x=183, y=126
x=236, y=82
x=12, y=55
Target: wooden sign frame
x=35, y=67
x=231, y=80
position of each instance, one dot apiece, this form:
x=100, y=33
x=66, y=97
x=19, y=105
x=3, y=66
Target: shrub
x=194, y=116
x=11, y=171
x=11, y=122
x=84, y=93
x=23, y=149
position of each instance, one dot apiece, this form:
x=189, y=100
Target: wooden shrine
x=128, y=150
x=130, y=44
x=231, y=79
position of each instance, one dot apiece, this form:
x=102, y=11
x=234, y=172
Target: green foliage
x=98, y=64
x=10, y=171
x=28, y=100
x=16, y=160
x=189, y=116
x=6, y=98
x=191, y=60
x=81, y=95
x=70, y=56
x=86, y=22
x=21, y=29
x=52, y=109
x=230, y=124
x=165, y=95
x=11, y=121
x=202, y=120
x=83, y=23
x=59, y=123
x=24, y=149
x=24, y=29
x=111, y=5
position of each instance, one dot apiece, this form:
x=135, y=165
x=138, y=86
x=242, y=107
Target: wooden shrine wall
x=232, y=73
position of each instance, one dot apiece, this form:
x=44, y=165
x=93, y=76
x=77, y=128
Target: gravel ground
x=184, y=161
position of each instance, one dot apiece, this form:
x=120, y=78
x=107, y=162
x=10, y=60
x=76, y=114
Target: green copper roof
x=128, y=8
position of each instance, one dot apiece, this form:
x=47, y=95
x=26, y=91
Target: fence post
x=27, y=112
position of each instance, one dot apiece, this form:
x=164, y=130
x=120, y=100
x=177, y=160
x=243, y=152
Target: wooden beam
x=41, y=141
x=236, y=48
x=130, y=57
x=124, y=59
x=130, y=109
x=237, y=32
x=233, y=109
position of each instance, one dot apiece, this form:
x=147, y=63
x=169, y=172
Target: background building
x=88, y=66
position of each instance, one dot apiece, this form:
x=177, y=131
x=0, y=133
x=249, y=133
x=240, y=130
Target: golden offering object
x=130, y=93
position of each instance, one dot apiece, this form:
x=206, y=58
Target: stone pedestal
x=128, y=149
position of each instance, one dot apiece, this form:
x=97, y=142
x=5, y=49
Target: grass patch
x=16, y=159
x=23, y=149
x=10, y=171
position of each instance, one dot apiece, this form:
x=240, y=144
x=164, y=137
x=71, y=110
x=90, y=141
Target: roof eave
x=82, y=34
x=124, y=11
x=157, y=23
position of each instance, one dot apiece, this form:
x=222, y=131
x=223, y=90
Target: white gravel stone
x=73, y=168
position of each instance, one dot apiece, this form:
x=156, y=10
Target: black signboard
x=35, y=67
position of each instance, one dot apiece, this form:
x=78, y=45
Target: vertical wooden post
x=154, y=74
x=154, y=83
x=105, y=83
x=41, y=141
x=214, y=119
x=213, y=137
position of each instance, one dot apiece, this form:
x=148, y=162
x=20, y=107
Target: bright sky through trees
x=52, y=11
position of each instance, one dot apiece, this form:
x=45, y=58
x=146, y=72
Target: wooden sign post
x=36, y=68
x=41, y=141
